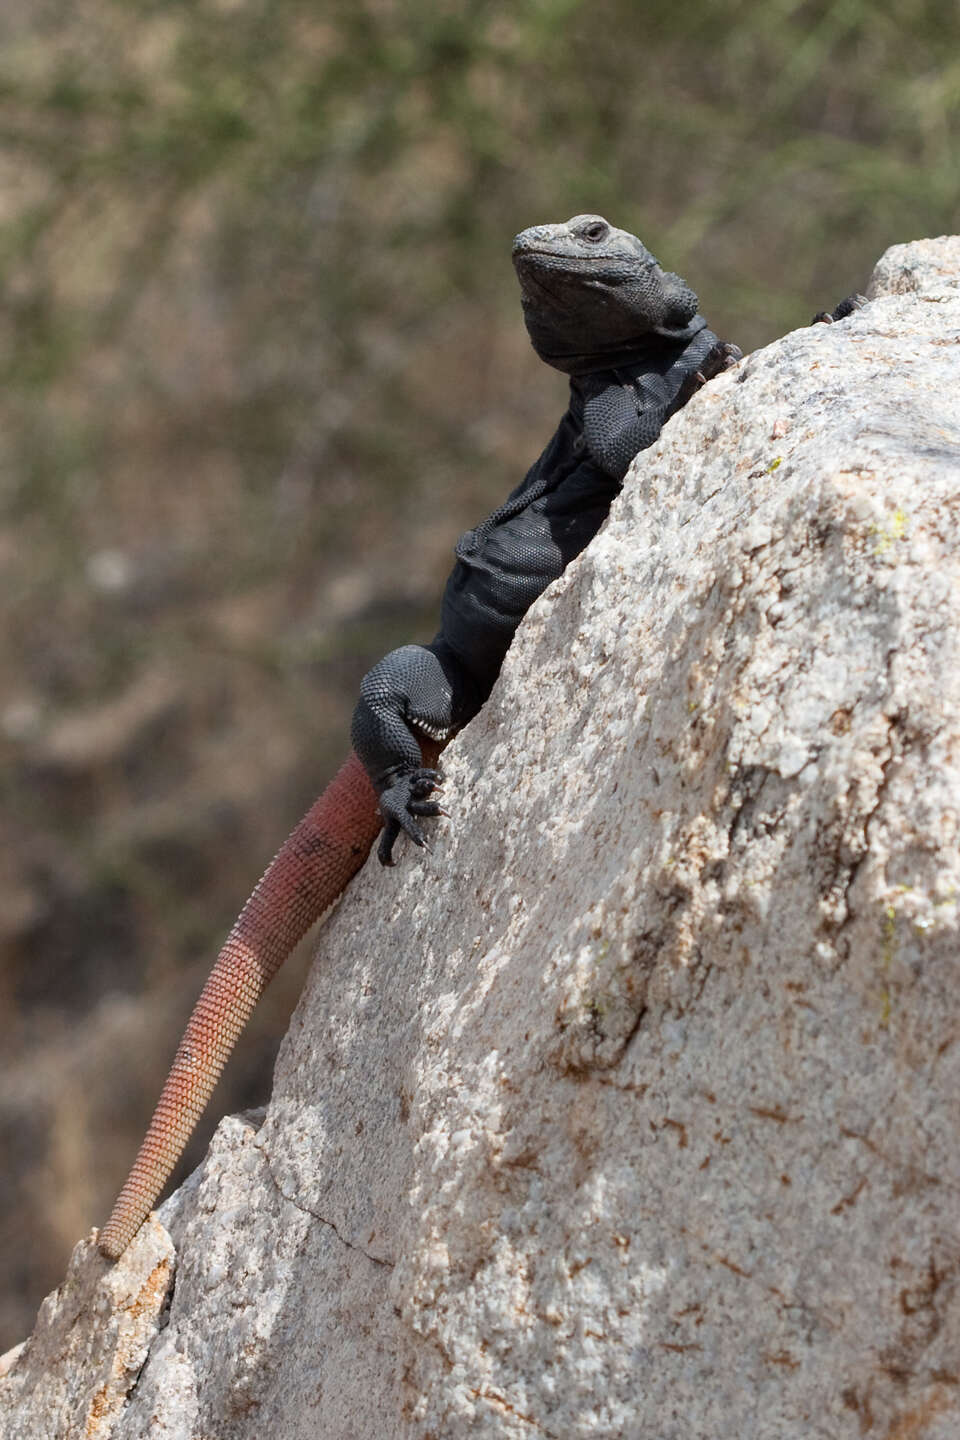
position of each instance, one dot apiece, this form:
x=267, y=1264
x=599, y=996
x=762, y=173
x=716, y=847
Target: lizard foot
x=402, y=803
x=723, y=356
x=841, y=311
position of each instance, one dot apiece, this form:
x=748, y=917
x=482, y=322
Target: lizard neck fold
x=640, y=352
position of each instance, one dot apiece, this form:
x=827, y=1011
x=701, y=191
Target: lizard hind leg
x=409, y=707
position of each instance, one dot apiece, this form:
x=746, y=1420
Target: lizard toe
x=425, y=807
x=388, y=838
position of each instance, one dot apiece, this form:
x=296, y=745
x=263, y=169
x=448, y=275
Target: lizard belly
x=502, y=570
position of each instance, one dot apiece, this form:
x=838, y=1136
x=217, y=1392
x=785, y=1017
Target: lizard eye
x=596, y=231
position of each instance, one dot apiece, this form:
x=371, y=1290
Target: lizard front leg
x=620, y=420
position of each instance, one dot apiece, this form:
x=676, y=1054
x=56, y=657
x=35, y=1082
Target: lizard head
x=593, y=294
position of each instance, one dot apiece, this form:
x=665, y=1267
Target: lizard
x=599, y=307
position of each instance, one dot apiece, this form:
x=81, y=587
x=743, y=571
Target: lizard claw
x=402, y=803
x=425, y=807
x=723, y=356
x=841, y=311
x=388, y=838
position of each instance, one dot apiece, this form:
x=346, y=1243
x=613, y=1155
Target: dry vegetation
x=262, y=360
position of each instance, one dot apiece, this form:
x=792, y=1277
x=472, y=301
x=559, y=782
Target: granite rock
x=631, y=1109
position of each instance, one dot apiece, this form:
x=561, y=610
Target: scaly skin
x=598, y=307
x=307, y=874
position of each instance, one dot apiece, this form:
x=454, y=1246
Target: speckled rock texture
x=92, y=1336
x=632, y=1109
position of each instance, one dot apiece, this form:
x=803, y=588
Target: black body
x=598, y=306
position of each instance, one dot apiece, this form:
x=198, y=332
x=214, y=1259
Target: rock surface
x=632, y=1109
x=90, y=1342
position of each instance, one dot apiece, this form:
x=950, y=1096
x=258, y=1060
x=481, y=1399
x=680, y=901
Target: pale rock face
x=632, y=1109
x=92, y=1337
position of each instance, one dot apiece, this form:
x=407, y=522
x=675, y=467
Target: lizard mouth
x=535, y=264
x=534, y=282
x=521, y=252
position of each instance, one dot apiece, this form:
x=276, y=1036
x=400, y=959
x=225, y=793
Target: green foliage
x=235, y=230
x=264, y=245
x=261, y=360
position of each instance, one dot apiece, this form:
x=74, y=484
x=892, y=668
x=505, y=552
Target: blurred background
x=262, y=361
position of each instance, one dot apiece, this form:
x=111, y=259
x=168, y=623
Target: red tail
x=308, y=873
